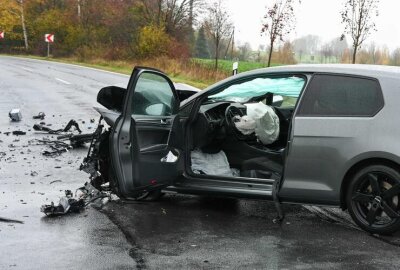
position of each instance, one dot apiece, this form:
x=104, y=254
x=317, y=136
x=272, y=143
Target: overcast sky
x=317, y=17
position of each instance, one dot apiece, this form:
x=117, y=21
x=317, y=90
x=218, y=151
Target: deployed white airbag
x=245, y=124
x=266, y=122
x=211, y=164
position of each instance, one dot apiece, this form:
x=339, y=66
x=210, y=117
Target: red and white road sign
x=49, y=38
x=1, y=34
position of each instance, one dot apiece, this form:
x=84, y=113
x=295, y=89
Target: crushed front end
x=97, y=161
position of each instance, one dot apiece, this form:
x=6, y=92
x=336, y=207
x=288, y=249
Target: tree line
x=132, y=29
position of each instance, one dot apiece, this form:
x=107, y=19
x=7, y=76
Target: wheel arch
x=358, y=166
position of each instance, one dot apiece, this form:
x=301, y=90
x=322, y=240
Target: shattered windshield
x=289, y=87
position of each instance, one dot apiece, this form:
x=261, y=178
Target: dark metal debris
x=40, y=116
x=18, y=132
x=74, y=204
x=9, y=220
x=71, y=123
x=55, y=181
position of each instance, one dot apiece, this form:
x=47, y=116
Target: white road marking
x=65, y=82
x=27, y=69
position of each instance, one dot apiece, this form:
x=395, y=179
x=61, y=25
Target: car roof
x=361, y=70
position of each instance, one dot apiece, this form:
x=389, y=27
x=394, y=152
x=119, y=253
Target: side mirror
x=112, y=97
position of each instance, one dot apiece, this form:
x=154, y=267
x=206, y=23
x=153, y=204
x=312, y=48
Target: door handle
x=165, y=121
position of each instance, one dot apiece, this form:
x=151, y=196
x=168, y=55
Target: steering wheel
x=232, y=114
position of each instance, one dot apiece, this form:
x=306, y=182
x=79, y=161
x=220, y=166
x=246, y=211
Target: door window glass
x=153, y=96
x=332, y=95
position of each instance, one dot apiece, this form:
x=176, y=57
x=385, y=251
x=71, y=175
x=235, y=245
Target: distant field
x=226, y=65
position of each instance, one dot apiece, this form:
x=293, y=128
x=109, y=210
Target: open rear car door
x=144, y=143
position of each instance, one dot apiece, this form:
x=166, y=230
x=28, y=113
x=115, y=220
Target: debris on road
x=57, y=147
x=55, y=181
x=18, y=132
x=77, y=140
x=40, y=116
x=71, y=123
x=9, y=220
x=75, y=204
x=15, y=115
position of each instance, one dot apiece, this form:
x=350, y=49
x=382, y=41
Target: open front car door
x=144, y=152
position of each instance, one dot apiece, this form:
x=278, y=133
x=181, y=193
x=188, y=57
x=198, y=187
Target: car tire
x=373, y=199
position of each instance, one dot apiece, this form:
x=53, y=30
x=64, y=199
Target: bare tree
x=244, y=51
x=338, y=46
x=22, y=15
x=279, y=21
x=218, y=26
x=306, y=45
x=357, y=17
x=177, y=16
x=326, y=52
x=395, y=59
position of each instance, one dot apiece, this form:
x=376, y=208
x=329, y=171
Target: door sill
x=239, y=179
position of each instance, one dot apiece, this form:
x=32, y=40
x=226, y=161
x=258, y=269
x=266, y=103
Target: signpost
x=1, y=34
x=235, y=67
x=49, y=38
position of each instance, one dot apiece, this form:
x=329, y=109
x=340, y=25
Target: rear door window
x=334, y=95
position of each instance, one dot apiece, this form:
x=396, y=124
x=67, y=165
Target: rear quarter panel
x=323, y=149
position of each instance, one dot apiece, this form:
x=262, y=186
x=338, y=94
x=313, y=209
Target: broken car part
x=40, y=116
x=74, y=204
x=77, y=140
x=9, y=220
x=18, y=132
x=15, y=115
x=71, y=123
x=96, y=163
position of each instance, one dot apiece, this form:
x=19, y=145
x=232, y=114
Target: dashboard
x=211, y=124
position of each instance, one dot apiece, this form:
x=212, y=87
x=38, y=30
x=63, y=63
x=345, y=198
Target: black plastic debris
x=56, y=147
x=67, y=204
x=71, y=123
x=74, y=204
x=55, y=181
x=9, y=220
x=18, y=132
x=40, y=116
x=77, y=140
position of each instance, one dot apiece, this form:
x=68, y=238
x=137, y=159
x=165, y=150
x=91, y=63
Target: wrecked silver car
x=324, y=135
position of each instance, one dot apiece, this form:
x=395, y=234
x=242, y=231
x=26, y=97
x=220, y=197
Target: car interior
x=218, y=147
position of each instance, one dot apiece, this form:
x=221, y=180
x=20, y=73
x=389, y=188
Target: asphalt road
x=177, y=232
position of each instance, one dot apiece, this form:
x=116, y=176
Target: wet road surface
x=177, y=232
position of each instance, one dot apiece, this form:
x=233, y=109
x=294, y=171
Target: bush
x=152, y=42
